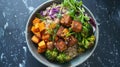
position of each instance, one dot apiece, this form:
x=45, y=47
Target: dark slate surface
x=13, y=48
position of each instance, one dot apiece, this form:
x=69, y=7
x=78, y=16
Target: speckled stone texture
x=13, y=48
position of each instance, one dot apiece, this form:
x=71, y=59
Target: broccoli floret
x=62, y=57
x=91, y=38
x=51, y=54
x=80, y=50
x=87, y=30
x=88, y=42
x=48, y=54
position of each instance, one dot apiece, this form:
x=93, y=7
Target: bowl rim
x=28, y=44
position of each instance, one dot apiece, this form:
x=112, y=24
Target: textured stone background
x=13, y=48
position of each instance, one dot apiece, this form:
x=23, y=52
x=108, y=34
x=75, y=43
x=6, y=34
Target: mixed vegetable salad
x=63, y=31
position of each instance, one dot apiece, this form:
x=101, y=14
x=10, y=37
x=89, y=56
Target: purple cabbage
x=92, y=22
x=53, y=11
x=41, y=13
x=50, y=12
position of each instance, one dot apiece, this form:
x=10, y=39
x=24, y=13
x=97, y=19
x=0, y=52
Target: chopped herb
x=55, y=31
x=40, y=17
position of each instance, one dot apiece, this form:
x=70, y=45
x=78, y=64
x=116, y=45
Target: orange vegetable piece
x=42, y=45
x=42, y=26
x=35, y=39
x=38, y=35
x=36, y=20
x=34, y=30
x=45, y=37
x=41, y=50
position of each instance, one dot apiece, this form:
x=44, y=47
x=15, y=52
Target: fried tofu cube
x=60, y=45
x=42, y=44
x=35, y=39
x=72, y=41
x=60, y=31
x=66, y=20
x=76, y=26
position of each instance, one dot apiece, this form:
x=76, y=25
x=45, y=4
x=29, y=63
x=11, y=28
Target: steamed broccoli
x=88, y=42
x=54, y=56
x=62, y=57
x=51, y=54
x=91, y=38
x=87, y=30
x=80, y=50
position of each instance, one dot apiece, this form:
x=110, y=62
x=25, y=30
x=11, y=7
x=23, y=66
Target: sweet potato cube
x=34, y=30
x=42, y=26
x=35, y=39
x=36, y=20
x=38, y=34
x=37, y=25
x=41, y=50
x=42, y=44
x=45, y=37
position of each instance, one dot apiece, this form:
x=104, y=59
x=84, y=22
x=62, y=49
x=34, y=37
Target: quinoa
x=72, y=51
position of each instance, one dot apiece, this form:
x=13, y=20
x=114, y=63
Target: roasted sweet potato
x=42, y=44
x=37, y=25
x=45, y=37
x=38, y=34
x=36, y=20
x=35, y=39
x=41, y=50
x=42, y=26
x=34, y=30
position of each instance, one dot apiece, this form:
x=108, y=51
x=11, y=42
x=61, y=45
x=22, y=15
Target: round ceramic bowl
x=74, y=62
